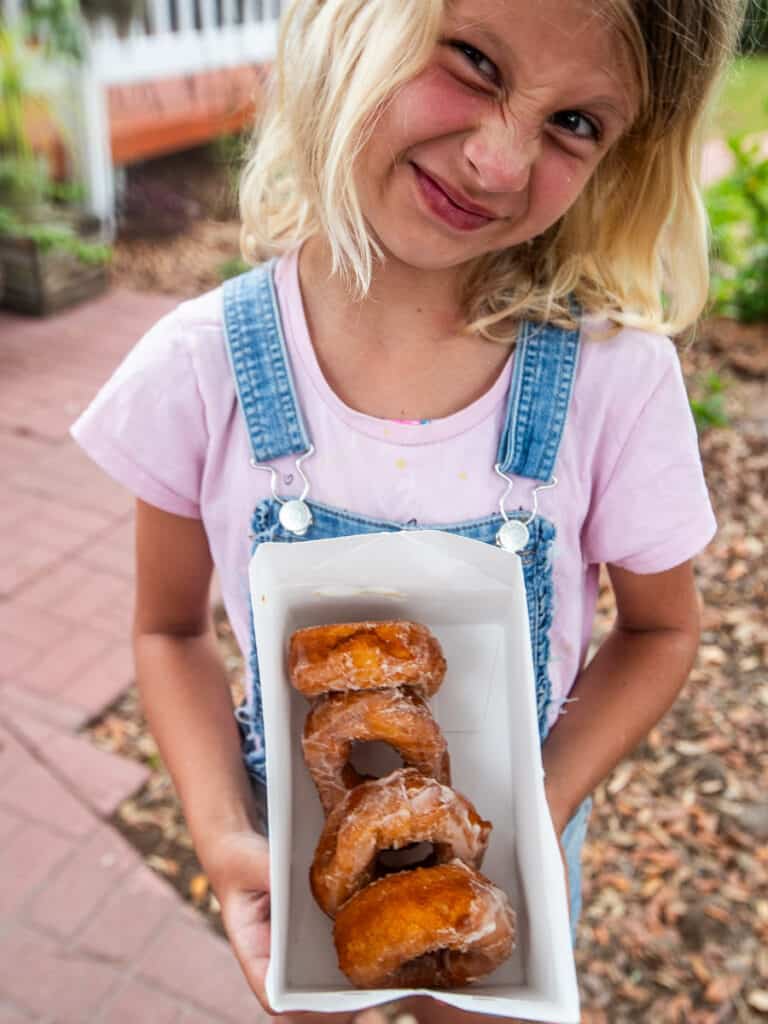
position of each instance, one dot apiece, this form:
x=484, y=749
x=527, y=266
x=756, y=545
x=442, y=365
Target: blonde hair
x=633, y=247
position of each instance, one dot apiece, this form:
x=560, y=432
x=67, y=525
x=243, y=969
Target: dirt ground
x=675, y=921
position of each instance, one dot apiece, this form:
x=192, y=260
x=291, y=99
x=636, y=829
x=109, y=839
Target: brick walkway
x=88, y=934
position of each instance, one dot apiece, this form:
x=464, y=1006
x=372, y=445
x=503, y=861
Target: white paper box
x=472, y=597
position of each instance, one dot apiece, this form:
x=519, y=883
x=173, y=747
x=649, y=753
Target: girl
x=486, y=219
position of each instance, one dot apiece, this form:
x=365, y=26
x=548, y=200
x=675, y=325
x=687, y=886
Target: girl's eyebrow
x=482, y=29
x=619, y=110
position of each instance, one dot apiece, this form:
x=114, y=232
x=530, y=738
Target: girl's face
x=495, y=139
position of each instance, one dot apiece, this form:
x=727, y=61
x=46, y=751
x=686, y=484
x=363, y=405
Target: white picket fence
x=176, y=37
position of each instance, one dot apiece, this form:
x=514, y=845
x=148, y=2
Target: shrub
x=738, y=213
x=232, y=268
x=707, y=403
x=148, y=209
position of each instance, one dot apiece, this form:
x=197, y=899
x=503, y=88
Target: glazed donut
x=439, y=927
x=398, y=717
x=389, y=814
x=365, y=656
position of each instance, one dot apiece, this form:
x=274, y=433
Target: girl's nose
x=502, y=155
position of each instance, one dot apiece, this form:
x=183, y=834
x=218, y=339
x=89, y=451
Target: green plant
x=23, y=178
x=49, y=236
x=229, y=149
x=56, y=25
x=31, y=203
x=232, y=267
x=23, y=182
x=13, y=137
x=738, y=213
x=707, y=404
x=71, y=193
x=52, y=26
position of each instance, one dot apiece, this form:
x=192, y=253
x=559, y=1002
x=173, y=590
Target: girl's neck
x=401, y=352
x=424, y=302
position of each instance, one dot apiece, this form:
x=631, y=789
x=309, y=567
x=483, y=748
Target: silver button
x=295, y=517
x=513, y=535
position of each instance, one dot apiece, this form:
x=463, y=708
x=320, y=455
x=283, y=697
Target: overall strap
x=543, y=372
x=260, y=366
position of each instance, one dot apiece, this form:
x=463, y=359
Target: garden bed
x=180, y=228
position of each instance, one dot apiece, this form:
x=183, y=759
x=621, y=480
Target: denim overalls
x=539, y=395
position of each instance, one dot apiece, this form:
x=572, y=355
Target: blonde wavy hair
x=633, y=248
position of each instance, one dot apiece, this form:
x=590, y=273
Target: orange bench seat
x=153, y=118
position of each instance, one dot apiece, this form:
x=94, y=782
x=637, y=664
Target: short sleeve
x=146, y=426
x=653, y=512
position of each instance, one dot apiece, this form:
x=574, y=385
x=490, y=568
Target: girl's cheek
x=436, y=104
x=561, y=179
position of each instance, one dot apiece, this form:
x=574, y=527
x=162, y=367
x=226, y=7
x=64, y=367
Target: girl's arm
x=187, y=701
x=626, y=688
x=182, y=680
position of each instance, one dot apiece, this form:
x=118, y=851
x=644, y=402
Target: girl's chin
x=428, y=260
x=428, y=254
x=430, y=250
x=426, y=266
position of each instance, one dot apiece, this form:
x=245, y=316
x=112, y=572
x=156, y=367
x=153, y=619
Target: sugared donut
x=397, y=717
x=438, y=927
x=388, y=814
x=365, y=656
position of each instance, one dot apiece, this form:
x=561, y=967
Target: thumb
x=255, y=971
x=247, y=925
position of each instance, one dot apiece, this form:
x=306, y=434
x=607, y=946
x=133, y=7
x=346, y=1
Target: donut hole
x=414, y=855
x=374, y=759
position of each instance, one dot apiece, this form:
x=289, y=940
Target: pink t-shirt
x=630, y=485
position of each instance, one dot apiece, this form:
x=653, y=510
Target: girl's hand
x=238, y=868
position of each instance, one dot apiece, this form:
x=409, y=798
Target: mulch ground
x=675, y=921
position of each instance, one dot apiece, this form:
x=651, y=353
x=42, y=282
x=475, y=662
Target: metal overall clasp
x=295, y=515
x=514, y=534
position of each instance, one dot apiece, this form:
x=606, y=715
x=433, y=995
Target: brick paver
x=101, y=779
x=173, y=960
x=29, y=858
x=50, y=980
x=88, y=933
x=136, y=1003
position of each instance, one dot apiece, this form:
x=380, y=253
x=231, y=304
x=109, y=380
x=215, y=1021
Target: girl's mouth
x=447, y=207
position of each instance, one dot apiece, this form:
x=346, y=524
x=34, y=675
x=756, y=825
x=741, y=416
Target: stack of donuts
x=440, y=924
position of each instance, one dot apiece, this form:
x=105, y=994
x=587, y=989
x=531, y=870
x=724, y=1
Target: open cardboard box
x=472, y=597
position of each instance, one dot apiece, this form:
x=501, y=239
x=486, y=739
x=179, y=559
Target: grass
x=743, y=106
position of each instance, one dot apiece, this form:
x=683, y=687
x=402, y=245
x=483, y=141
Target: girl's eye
x=477, y=59
x=577, y=124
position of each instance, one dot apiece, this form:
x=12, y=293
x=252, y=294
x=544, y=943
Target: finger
x=247, y=922
x=255, y=971
x=249, y=931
